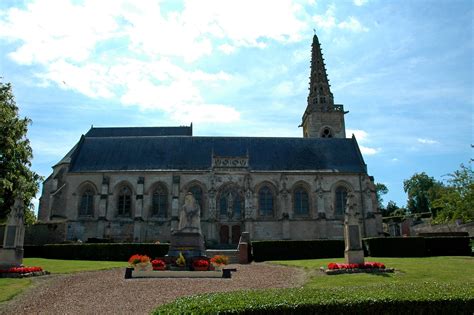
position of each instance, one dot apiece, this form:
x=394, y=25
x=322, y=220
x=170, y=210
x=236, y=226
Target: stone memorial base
x=187, y=243
x=176, y=274
x=354, y=256
x=10, y=257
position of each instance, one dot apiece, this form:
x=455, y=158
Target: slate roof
x=139, y=131
x=129, y=153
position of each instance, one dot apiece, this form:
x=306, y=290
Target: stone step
x=233, y=254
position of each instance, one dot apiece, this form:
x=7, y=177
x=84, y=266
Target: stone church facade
x=129, y=184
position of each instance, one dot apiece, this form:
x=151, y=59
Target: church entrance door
x=224, y=234
x=235, y=234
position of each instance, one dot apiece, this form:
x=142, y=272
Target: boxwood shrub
x=448, y=246
x=97, y=251
x=393, y=298
x=395, y=246
x=290, y=250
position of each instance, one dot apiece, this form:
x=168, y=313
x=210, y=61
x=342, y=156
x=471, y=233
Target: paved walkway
x=107, y=292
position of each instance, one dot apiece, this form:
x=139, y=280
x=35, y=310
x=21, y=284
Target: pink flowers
x=367, y=265
x=22, y=270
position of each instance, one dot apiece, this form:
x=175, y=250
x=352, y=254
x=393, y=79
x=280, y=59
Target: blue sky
x=403, y=69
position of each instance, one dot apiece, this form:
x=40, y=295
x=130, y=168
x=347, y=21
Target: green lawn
x=10, y=287
x=427, y=284
x=456, y=270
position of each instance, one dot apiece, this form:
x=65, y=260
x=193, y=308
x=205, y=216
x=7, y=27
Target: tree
x=421, y=190
x=380, y=189
x=16, y=178
x=390, y=209
x=456, y=200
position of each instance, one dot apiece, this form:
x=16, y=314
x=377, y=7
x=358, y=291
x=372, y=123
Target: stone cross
x=353, y=253
x=11, y=255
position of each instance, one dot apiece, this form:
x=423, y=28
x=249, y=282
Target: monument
x=188, y=239
x=11, y=255
x=353, y=253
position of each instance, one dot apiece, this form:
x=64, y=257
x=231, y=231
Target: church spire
x=322, y=118
x=320, y=97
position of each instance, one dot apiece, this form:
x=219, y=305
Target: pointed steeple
x=320, y=97
x=318, y=113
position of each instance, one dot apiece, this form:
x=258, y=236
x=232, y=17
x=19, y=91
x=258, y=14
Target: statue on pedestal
x=190, y=216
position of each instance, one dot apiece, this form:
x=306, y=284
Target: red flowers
x=22, y=270
x=201, y=263
x=135, y=259
x=158, y=264
x=367, y=265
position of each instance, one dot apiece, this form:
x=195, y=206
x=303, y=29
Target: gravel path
x=107, y=292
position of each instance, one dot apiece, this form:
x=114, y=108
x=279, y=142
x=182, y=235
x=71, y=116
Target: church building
x=129, y=183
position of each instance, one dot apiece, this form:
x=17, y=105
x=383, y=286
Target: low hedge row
x=375, y=247
x=97, y=251
x=290, y=250
x=423, y=298
x=417, y=246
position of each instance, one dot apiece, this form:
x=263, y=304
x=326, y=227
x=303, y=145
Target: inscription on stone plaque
x=10, y=237
x=354, y=237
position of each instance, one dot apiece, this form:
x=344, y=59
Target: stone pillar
x=285, y=228
x=321, y=214
x=175, y=203
x=104, y=194
x=353, y=253
x=11, y=255
x=139, y=198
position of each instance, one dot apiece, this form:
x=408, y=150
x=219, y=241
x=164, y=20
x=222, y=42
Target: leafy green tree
x=421, y=190
x=16, y=178
x=456, y=200
x=380, y=189
x=390, y=209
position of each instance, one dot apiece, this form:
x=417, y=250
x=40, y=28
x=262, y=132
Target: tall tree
x=380, y=189
x=16, y=178
x=421, y=190
x=456, y=200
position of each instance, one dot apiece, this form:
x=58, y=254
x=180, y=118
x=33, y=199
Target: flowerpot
x=142, y=266
x=201, y=268
x=159, y=268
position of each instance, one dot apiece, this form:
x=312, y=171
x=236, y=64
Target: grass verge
x=424, y=285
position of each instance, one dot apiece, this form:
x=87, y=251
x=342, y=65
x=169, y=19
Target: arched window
x=86, y=206
x=159, y=202
x=300, y=201
x=265, y=201
x=124, y=204
x=197, y=194
x=231, y=202
x=340, y=200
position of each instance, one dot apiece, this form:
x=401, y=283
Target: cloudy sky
x=403, y=69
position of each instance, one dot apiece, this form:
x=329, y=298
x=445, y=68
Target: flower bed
x=201, y=265
x=339, y=268
x=21, y=272
x=158, y=264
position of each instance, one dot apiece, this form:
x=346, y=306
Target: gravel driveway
x=107, y=292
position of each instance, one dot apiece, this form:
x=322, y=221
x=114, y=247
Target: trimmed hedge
x=96, y=251
x=395, y=246
x=393, y=298
x=291, y=250
x=448, y=246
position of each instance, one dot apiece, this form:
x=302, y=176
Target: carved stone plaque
x=10, y=237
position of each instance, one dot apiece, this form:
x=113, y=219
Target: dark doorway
x=235, y=234
x=224, y=234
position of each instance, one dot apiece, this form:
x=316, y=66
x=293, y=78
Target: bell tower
x=322, y=118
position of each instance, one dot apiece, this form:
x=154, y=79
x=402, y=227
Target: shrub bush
x=96, y=251
x=290, y=250
x=448, y=246
x=395, y=298
x=395, y=246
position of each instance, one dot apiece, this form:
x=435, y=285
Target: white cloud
x=75, y=46
x=353, y=25
x=360, y=2
x=426, y=141
x=329, y=21
x=363, y=137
